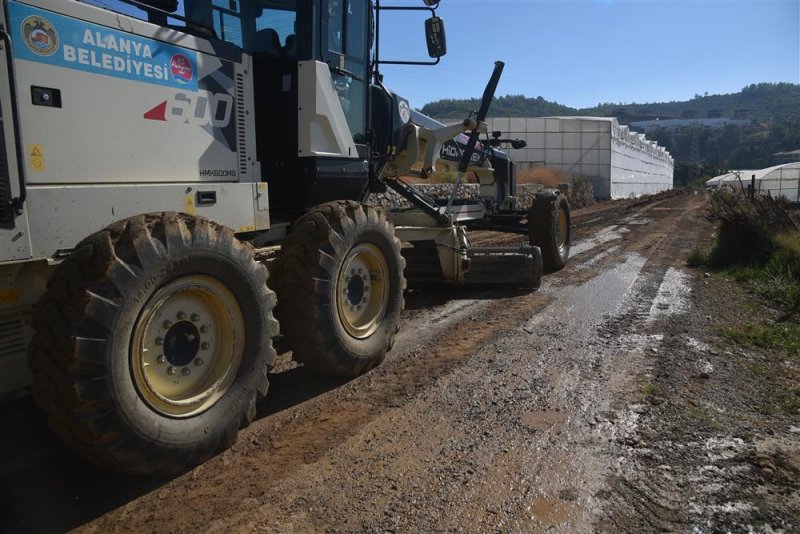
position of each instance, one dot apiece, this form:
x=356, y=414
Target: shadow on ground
x=45, y=487
x=424, y=297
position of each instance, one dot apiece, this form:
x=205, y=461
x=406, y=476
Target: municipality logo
x=39, y=35
x=181, y=67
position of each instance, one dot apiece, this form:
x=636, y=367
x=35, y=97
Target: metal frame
x=18, y=202
x=378, y=9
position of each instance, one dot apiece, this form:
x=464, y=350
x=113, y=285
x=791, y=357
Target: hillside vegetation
x=761, y=102
x=772, y=112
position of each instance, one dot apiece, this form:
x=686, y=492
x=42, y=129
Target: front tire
x=339, y=280
x=152, y=343
x=549, y=228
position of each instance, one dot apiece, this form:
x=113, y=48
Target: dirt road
x=565, y=408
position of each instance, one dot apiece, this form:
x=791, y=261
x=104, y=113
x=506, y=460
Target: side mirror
x=434, y=35
x=431, y=3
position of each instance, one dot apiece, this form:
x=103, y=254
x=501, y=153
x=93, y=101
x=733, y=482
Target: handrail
x=18, y=202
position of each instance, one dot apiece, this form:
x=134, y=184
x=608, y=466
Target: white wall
x=620, y=163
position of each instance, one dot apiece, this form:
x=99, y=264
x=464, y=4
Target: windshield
x=268, y=26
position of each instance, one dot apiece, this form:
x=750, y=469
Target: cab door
x=345, y=47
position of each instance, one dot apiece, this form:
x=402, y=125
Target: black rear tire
x=549, y=228
x=339, y=280
x=100, y=387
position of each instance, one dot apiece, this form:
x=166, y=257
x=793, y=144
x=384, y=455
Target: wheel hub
x=181, y=343
x=355, y=290
x=362, y=291
x=181, y=369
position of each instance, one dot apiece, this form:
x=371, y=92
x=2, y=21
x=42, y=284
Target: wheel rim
x=362, y=291
x=187, y=346
x=562, y=228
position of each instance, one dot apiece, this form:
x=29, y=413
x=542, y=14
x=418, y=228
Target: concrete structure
x=779, y=181
x=619, y=162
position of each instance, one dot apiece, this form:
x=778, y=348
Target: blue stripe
x=88, y=47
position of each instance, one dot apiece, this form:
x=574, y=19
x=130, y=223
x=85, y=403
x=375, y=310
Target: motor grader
x=181, y=183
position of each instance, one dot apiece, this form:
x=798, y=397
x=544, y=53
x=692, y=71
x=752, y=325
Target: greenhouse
x=619, y=162
x=779, y=181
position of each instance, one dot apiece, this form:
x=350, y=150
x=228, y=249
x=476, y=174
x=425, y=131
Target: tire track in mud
x=316, y=437
x=464, y=337
x=277, y=447
x=638, y=500
x=290, y=443
x=689, y=467
x=589, y=372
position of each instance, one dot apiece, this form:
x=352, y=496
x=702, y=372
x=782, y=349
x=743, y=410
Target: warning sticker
x=36, y=155
x=188, y=204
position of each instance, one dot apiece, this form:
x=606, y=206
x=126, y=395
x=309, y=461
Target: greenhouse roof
x=747, y=175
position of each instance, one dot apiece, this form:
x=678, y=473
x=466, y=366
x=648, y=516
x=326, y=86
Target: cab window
x=275, y=28
x=228, y=21
x=345, y=32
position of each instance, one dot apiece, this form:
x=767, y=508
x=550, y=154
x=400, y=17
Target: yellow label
x=247, y=228
x=36, y=154
x=188, y=204
x=10, y=296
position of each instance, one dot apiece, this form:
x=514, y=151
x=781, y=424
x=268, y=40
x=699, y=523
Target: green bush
x=787, y=252
x=697, y=258
x=780, y=278
x=759, y=244
x=746, y=228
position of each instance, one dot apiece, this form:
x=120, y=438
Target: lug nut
x=161, y=359
x=181, y=315
x=198, y=362
x=167, y=325
x=366, y=288
x=204, y=345
x=186, y=371
x=359, y=270
x=364, y=300
x=159, y=341
x=203, y=329
x=170, y=370
x=195, y=317
x=358, y=307
x=352, y=271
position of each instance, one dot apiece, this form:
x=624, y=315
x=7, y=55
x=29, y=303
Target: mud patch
x=610, y=233
x=550, y=512
x=543, y=420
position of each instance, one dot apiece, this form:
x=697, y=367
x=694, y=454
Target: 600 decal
x=199, y=109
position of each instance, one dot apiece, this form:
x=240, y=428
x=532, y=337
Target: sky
x=582, y=53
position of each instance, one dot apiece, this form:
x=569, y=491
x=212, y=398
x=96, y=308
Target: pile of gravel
x=391, y=199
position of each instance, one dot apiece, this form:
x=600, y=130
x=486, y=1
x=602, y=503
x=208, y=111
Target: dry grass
x=550, y=178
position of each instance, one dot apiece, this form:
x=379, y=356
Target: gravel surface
x=605, y=401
